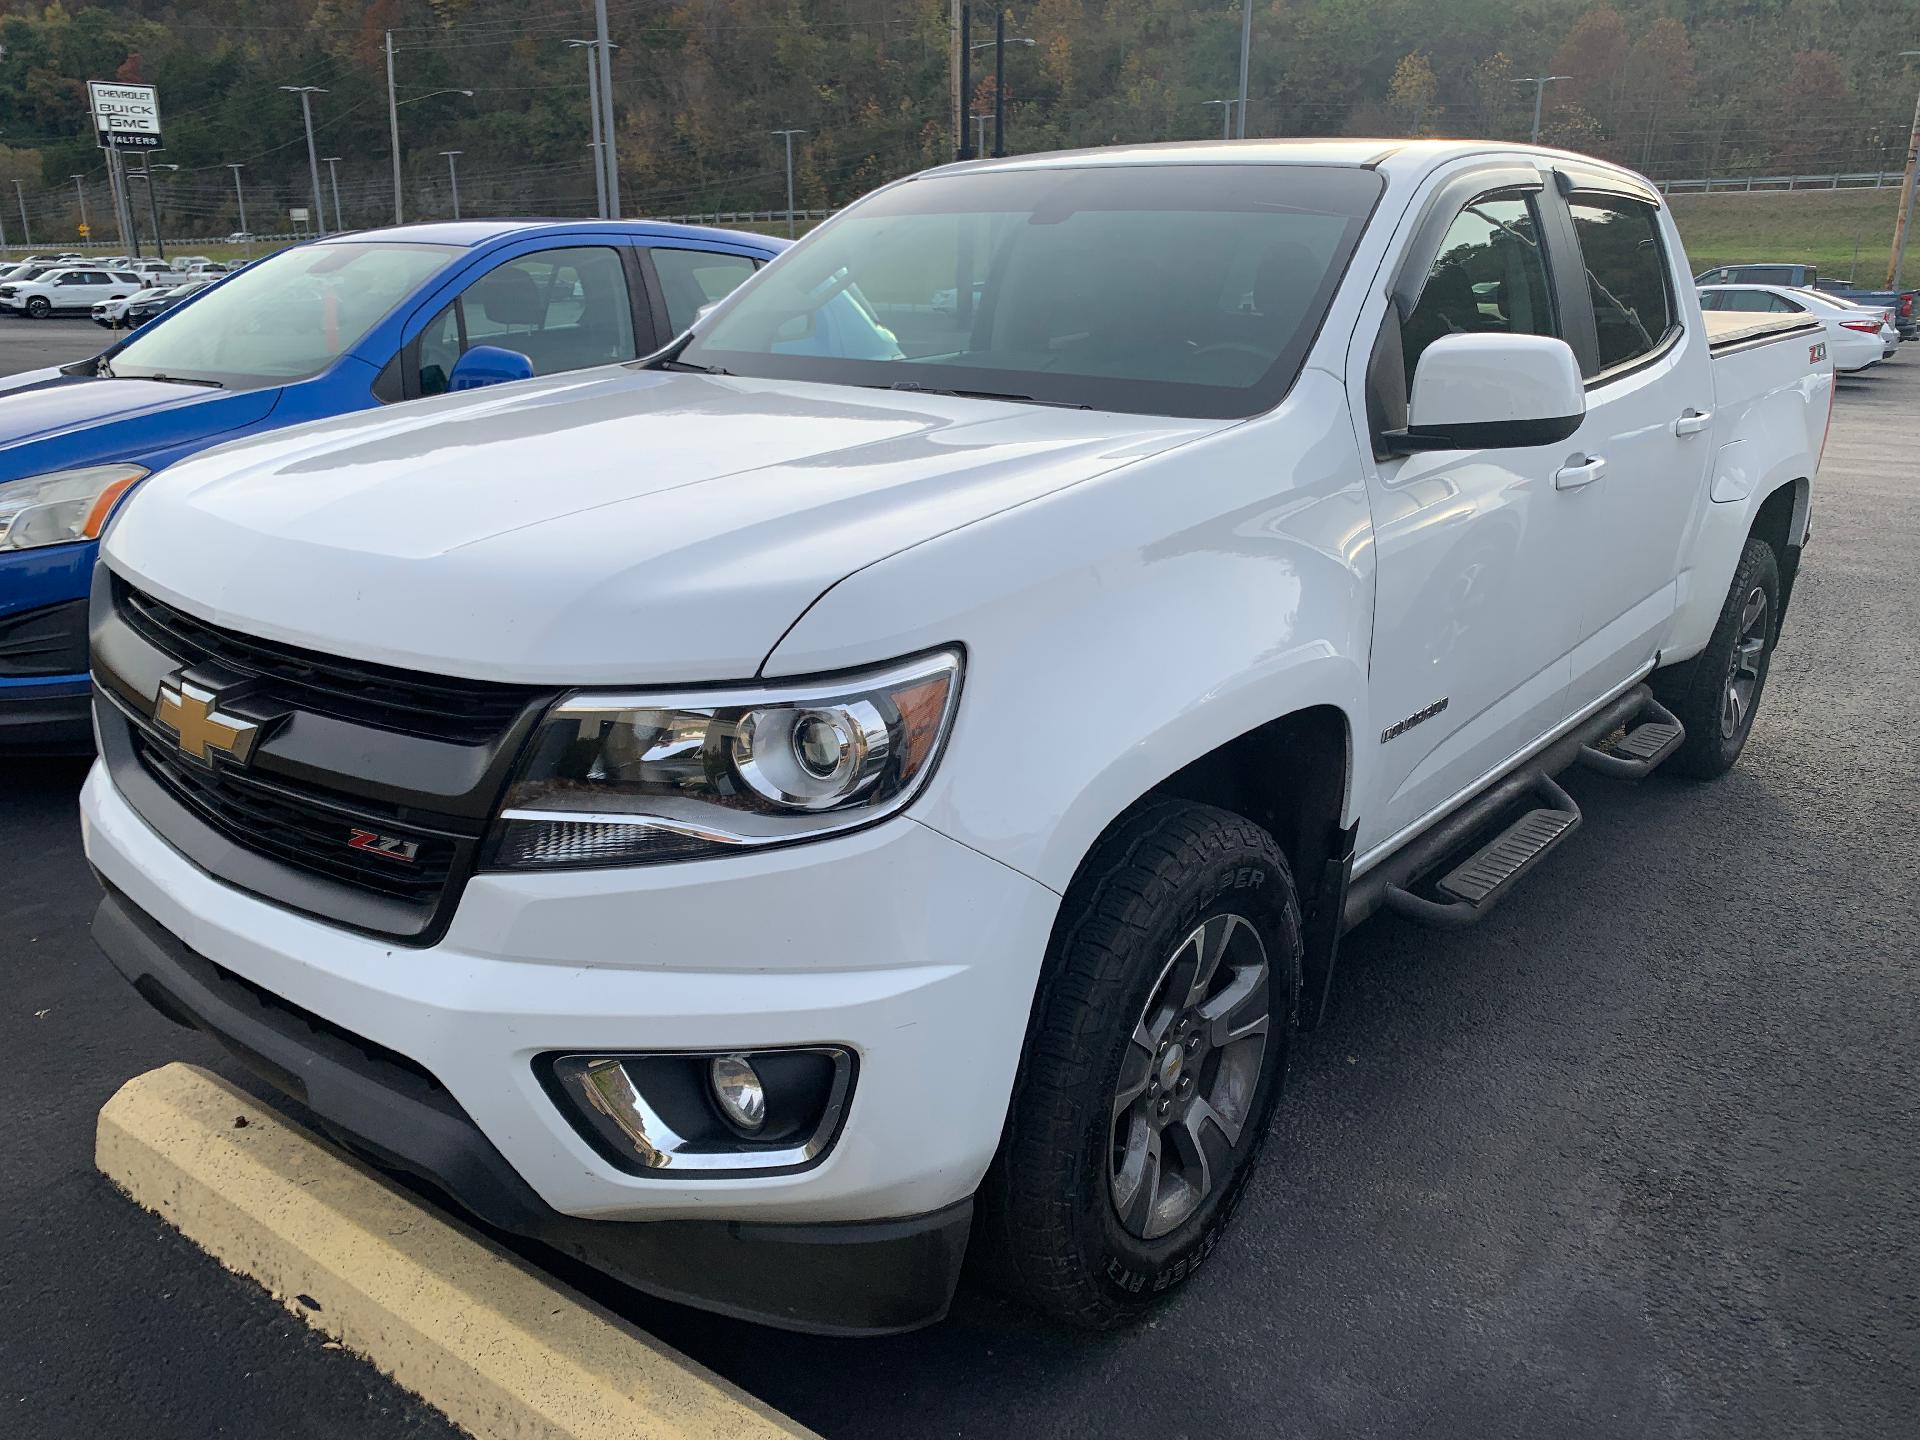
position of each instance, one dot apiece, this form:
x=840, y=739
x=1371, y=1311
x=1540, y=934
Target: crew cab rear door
x=1635, y=324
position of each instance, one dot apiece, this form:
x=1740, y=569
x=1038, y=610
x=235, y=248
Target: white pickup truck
x=877, y=780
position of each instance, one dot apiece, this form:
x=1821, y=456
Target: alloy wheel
x=1743, y=672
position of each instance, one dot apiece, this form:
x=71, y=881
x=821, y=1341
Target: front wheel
x=39, y=307
x=1716, y=693
x=1155, y=1057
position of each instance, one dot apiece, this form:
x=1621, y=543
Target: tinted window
x=439, y=349
x=1626, y=274
x=563, y=309
x=1158, y=289
x=693, y=279
x=289, y=316
x=1490, y=276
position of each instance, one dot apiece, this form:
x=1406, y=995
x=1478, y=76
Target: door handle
x=1572, y=477
x=1692, y=422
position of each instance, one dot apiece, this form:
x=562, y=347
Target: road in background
x=1638, y=1156
x=28, y=344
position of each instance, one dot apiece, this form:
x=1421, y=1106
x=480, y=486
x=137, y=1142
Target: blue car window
x=690, y=280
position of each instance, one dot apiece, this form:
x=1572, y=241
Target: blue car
x=338, y=325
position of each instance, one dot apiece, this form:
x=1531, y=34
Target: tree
x=1413, y=96
x=1594, y=58
x=1658, y=85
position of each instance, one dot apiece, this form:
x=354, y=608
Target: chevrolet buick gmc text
x=876, y=781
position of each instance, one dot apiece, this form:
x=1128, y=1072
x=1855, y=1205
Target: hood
x=621, y=526
x=50, y=420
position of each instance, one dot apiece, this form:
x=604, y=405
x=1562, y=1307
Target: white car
x=1857, y=337
x=78, y=288
x=766, y=818
x=113, y=313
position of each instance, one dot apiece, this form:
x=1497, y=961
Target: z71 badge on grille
x=391, y=846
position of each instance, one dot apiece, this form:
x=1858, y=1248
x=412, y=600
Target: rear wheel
x=1156, y=1054
x=1716, y=693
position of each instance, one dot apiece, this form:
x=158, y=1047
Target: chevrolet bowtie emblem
x=193, y=715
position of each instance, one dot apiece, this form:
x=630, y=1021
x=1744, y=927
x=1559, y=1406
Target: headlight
x=634, y=779
x=62, y=505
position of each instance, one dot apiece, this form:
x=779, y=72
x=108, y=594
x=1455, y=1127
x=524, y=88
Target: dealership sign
x=126, y=117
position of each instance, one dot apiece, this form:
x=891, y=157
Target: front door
x=1472, y=628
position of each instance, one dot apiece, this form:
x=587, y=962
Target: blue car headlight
x=62, y=506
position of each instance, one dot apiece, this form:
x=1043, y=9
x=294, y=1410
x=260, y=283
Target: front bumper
x=916, y=952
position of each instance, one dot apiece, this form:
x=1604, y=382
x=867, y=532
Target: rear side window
x=1626, y=264
x=1490, y=277
x=693, y=279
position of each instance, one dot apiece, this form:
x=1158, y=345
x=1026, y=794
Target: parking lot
x=1640, y=1156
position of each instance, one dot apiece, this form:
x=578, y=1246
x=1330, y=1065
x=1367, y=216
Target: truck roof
x=469, y=233
x=1396, y=156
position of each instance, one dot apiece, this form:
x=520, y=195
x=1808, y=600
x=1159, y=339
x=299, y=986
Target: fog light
x=738, y=1092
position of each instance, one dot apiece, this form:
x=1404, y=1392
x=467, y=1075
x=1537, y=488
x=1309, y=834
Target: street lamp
x=333, y=178
x=999, y=45
x=240, y=195
x=306, y=94
x=1903, y=223
x=1226, y=116
x=1539, y=83
x=453, y=174
x=788, y=136
x=19, y=189
x=596, y=147
x=145, y=172
x=393, y=128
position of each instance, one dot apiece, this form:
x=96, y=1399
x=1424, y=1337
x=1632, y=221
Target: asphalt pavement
x=1637, y=1157
x=28, y=344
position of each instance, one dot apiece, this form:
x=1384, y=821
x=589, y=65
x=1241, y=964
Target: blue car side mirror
x=489, y=365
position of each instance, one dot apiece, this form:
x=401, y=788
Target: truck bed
x=1738, y=329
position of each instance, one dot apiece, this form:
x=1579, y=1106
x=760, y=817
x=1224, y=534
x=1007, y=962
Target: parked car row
x=131, y=311
x=1904, y=304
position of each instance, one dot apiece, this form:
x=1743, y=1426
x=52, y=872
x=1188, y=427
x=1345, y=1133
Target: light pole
x=453, y=174
x=26, y=236
x=80, y=194
x=1903, y=223
x=788, y=135
x=241, y=196
x=393, y=130
x=306, y=94
x=999, y=45
x=980, y=131
x=1539, y=83
x=608, y=153
x=145, y=172
x=1246, y=52
x=594, y=146
x=333, y=179
x=1226, y=116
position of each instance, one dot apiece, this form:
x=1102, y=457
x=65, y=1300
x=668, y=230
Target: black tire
x=39, y=307
x=1699, y=691
x=1050, y=1229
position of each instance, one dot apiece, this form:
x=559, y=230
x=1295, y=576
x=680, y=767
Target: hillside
x=1820, y=227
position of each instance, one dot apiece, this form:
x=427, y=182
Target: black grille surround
x=365, y=801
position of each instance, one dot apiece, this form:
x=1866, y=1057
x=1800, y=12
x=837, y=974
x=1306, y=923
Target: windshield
x=285, y=318
x=1190, y=290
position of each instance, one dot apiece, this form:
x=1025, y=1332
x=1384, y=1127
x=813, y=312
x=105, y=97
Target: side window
x=439, y=348
x=1752, y=301
x=692, y=279
x=1490, y=276
x=1626, y=275
x=562, y=309
x=1713, y=300
x=1785, y=306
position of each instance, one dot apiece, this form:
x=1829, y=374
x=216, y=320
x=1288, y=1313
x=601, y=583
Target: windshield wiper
x=172, y=380
x=914, y=385
x=696, y=369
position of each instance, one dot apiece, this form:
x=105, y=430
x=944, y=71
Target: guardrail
x=1857, y=180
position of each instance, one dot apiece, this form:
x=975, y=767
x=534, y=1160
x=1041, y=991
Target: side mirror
x=1492, y=392
x=489, y=365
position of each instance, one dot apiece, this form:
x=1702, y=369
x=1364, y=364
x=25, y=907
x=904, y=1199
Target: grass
x=1811, y=227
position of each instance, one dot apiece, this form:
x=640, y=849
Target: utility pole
x=1539, y=83
x=1000, y=82
x=609, y=152
x=306, y=93
x=963, y=110
x=240, y=195
x=595, y=146
x=80, y=194
x=1903, y=223
x=1246, y=53
x=1226, y=116
x=333, y=179
x=789, y=134
x=26, y=236
x=453, y=175
x=393, y=133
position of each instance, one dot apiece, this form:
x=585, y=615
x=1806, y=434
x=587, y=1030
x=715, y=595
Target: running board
x=1479, y=882
x=1633, y=753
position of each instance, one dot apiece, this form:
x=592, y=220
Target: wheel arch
x=1782, y=521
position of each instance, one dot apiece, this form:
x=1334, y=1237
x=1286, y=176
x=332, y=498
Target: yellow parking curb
x=501, y=1349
